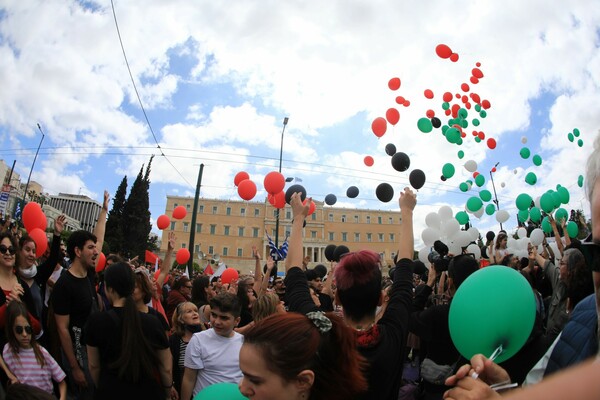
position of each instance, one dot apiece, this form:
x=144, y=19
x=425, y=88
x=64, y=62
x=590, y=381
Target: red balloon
x=229, y=275
x=179, y=212
x=447, y=97
x=447, y=112
x=240, y=176
x=481, y=135
x=478, y=64
x=428, y=94
x=279, y=200
x=312, y=207
x=476, y=98
x=247, y=189
x=494, y=169
x=491, y=142
x=474, y=80
x=34, y=217
x=443, y=51
x=464, y=99
x=468, y=105
x=274, y=182
x=379, y=126
x=163, y=222
x=369, y=161
x=406, y=103
x=454, y=57
x=100, y=262
x=392, y=115
x=476, y=72
x=486, y=104
x=399, y=99
x=182, y=256
x=430, y=114
x=464, y=87
x=394, y=84
x=40, y=239
x=475, y=174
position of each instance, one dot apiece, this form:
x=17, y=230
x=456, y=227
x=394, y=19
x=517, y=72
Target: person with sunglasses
x=180, y=292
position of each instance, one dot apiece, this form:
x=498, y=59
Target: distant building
x=78, y=207
x=71, y=224
x=230, y=228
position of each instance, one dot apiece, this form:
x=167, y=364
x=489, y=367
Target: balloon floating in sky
x=443, y=51
x=417, y=178
x=394, y=83
x=330, y=199
x=368, y=160
x=384, y=192
x=295, y=189
x=531, y=178
x=392, y=115
x=390, y=149
x=240, y=176
x=352, y=192
x=379, y=126
x=400, y=161
x=525, y=153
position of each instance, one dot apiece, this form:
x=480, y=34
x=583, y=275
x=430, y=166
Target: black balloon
x=400, y=161
x=330, y=199
x=417, y=178
x=435, y=121
x=293, y=189
x=320, y=270
x=384, y=192
x=490, y=236
x=390, y=149
x=339, y=252
x=443, y=178
x=352, y=192
x=329, y=250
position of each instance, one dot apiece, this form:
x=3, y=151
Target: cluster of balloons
x=163, y=221
x=35, y=223
x=334, y=253
x=245, y=186
x=575, y=134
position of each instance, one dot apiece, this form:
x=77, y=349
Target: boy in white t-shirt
x=212, y=356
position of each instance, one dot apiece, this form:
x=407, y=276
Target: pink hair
x=356, y=268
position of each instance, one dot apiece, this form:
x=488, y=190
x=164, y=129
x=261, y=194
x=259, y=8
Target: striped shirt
x=28, y=371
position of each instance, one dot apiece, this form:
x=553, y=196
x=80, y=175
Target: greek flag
x=18, y=211
x=278, y=254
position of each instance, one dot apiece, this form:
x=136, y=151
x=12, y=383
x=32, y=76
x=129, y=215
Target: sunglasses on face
x=19, y=329
x=5, y=250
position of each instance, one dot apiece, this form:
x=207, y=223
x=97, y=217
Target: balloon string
x=494, y=355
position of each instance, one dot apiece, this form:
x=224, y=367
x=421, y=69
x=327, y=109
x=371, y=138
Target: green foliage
x=114, y=227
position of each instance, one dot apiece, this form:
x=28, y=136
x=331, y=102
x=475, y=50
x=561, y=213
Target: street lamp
x=494, y=187
x=32, y=165
x=285, y=122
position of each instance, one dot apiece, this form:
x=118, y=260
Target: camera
x=439, y=256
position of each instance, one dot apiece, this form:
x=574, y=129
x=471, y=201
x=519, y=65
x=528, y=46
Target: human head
x=265, y=305
x=314, y=280
x=295, y=357
x=576, y=274
x=185, y=314
x=202, y=290
x=120, y=278
x=246, y=294
x=143, y=287
x=501, y=240
x=225, y=310
x=183, y=285
x=21, y=336
x=460, y=268
x=358, y=280
x=26, y=255
x=77, y=241
x=8, y=259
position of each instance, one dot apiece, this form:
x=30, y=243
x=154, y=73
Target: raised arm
x=101, y=223
x=408, y=201
x=165, y=267
x=258, y=278
x=299, y=211
x=559, y=242
x=327, y=287
x=264, y=284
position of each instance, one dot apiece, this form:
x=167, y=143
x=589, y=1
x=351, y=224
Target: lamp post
x=285, y=122
x=32, y=165
x=494, y=187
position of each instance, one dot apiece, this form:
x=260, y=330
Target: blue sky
x=216, y=82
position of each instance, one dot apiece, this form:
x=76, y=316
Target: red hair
x=291, y=343
x=357, y=268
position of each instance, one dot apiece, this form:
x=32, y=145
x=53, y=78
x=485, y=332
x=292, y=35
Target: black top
x=104, y=332
x=161, y=318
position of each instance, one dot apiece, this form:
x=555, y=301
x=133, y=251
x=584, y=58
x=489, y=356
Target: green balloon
x=452, y=135
x=556, y=199
x=462, y=217
x=570, y=137
x=474, y=204
x=483, y=113
x=224, y=391
x=448, y=170
x=480, y=180
x=482, y=317
x=564, y=195
x=547, y=203
x=576, y=132
x=445, y=129
x=424, y=125
x=572, y=229
x=477, y=107
x=523, y=215
x=463, y=113
x=546, y=227
x=531, y=178
x=580, y=181
x=523, y=201
x=537, y=160
x=485, y=195
x=561, y=214
x=475, y=122
x=490, y=209
x=461, y=154
x=445, y=105
x=464, y=187
x=459, y=141
x=525, y=153
x=477, y=139
x=580, y=143
x=535, y=214
x=464, y=123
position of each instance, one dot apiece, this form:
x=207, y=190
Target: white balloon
x=462, y=238
x=502, y=184
x=433, y=220
x=523, y=140
x=430, y=235
x=454, y=248
x=523, y=242
x=475, y=250
x=423, y=253
x=536, y=237
x=450, y=227
x=537, y=202
x=502, y=216
x=521, y=233
x=445, y=213
x=473, y=233
x=479, y=212
x=471, y=166
x=515, y=171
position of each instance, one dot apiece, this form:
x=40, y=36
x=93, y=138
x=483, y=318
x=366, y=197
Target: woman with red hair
x=295, y=356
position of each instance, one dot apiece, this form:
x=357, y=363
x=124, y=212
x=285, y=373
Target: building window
x=213, y=229
x=314, y=216
x=201, y=209
x=275, y=213
x=391, y=220
x=211, y=250
x=173, y=224
x=381, y=256
x=381, y=239
x=214, y=209
x=257, y=212
x=254, y=232
x=187, y=207
x=198, y=228
x=356, y=219
x=241, y=231
x=225, y=251
x=313, y=234
x=368, y=219
x=344, y=237
x=186, y=227
x=226, y=230
x=240, y=252
x=330, y=217
x=197, y=248
x=379, y=220
x=288, y=215
x=357, y=237
x=175, y=205
x=287, y=232
x=369, y=237
x=183, y=245
x=343, y=218
x=331, y=236
x=228, y=211
x=392, y=237
x=243, y=212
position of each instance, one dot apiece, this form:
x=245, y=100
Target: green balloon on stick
x=482, y=317
x=222, y=391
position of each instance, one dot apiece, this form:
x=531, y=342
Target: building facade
x=78, y=207
x=230, y=228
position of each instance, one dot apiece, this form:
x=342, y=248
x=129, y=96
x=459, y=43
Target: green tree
x=114, y=224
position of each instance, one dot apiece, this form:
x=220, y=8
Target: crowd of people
x=343, y=331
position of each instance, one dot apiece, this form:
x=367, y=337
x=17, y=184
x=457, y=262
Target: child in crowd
x=29, y=362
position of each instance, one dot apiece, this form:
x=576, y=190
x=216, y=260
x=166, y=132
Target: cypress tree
x=136, y=216
x=114, y=224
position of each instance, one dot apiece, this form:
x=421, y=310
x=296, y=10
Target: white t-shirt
x=216, y=357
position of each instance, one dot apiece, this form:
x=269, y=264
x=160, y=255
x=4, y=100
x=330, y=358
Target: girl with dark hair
x=500, y=251
x=294, y=356
x=247, y=296
x=180, y=292
x=128, y=351
x=25, y=358
x=202, y=292
x=186, y=322
x=142, y=295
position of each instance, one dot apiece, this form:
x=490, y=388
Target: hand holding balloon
x=482, y=367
